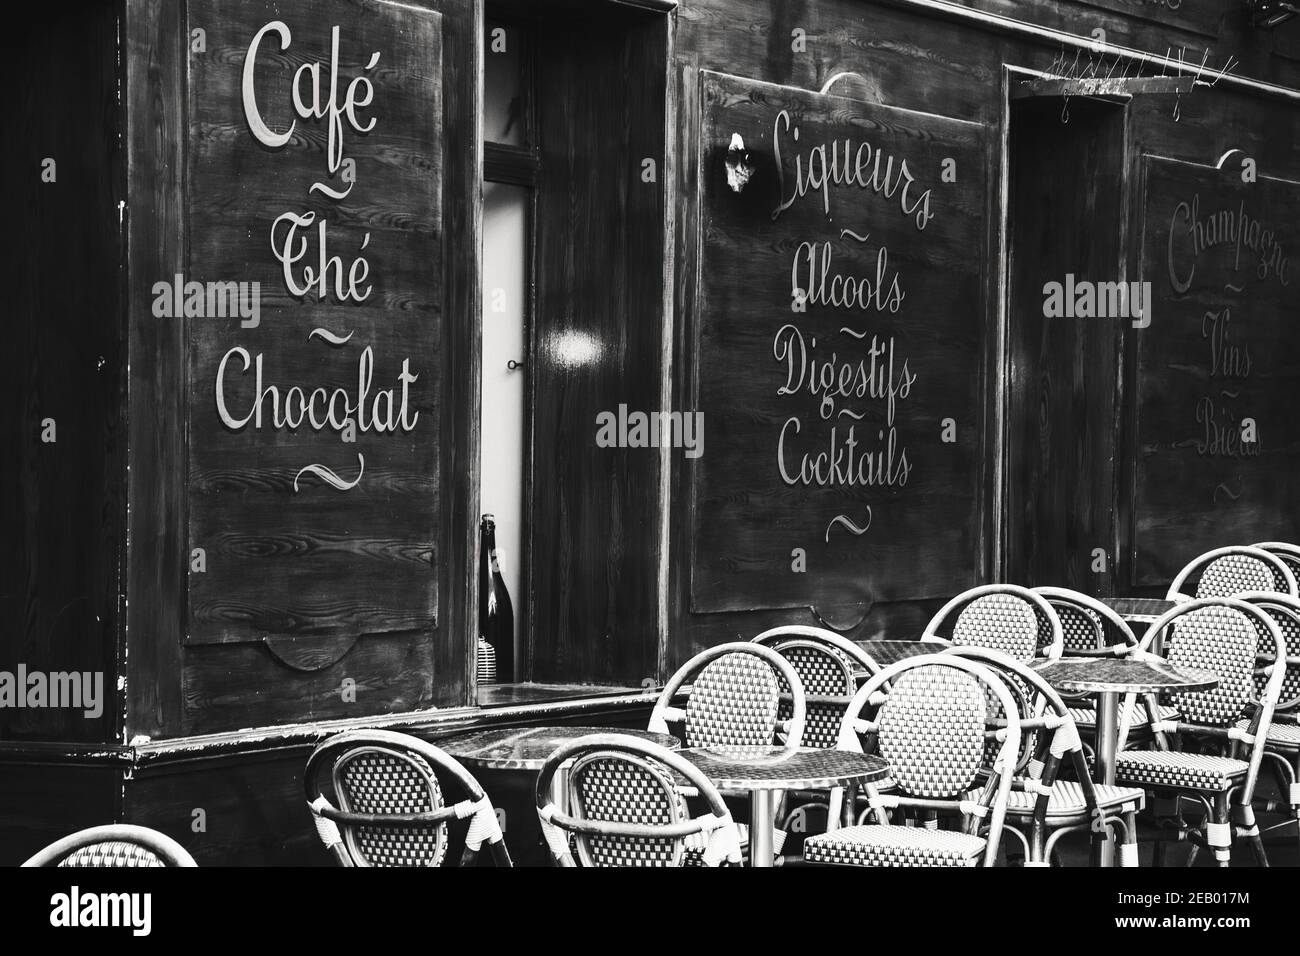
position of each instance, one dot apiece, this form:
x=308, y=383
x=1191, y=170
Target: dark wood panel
x=1222, y=348
x=594, y=512
x=1066, y=218
x=315, y=559
x=1204, y=17
x=857, y=389
x=41, y=802
x=157, y=560
x=62, y=501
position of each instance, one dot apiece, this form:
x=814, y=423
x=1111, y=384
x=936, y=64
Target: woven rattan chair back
x=114, y=846
x=616, y=787
x=623, y=807
x=829, y=666
x=927, y=716
x=1227, y=572
x=1004, y=617
x=932, y=732
x=391, y=807
x=733, y=700
x=384, y=782
x=1223, y=641
x=1285, y=612
x=1288, y=553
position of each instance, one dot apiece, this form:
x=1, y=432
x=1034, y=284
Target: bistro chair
x=1203, y=764
x=1093, y=629
x=732, y=699
x=831, y=668
x=114, y=846
x=1289, y=553
x=1227, y=572
x=623, y=806
x=927, y=716
x=733, y=702
x=390, y=802
x=1282, y=746
x=1042, y=808
x=1006, y=617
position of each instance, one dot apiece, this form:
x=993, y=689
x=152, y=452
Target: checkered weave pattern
x=824, y=671
x=617, y=789
x=1280, y=736
x=1235, y=574
x=733, y=703
x=1081, y=627
x=1177, y=770
x=1221, y=640
x=932, y=731
x=112, y=854
x=890, y=845
x=382, y=782
x=1067, y=799
x=1291, y=561
x=1290, y=628
x=1003, y=622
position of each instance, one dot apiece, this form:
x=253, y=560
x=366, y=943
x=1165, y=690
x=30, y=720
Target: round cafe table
x=1111, y=678
x=1138, y=610
x=526, y=748
x=885, y=653
x=766, y=771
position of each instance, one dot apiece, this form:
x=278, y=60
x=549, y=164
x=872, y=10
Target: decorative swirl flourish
x=850, y=233
x=847, y=523
x=330, y=478
x=1226, y=490
x=331, y=337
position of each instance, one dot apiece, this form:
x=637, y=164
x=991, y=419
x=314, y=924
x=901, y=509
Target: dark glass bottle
x=496, y=613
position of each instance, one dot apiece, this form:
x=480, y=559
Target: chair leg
x=1158, y=853
x=1128, y=851
x=1218, y=835
x=1248, y=828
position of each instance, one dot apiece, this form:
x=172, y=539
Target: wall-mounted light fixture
x=740, y=168
x=1267, y=14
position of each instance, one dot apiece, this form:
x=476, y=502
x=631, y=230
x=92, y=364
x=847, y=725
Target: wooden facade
x=249, y=578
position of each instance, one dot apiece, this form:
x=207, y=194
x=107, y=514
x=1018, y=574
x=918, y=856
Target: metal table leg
x=1104, y=769
x=762, y=819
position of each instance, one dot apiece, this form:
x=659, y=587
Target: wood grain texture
x=286, y=554
x=1066, y=217
x=782, y=386
x=594, y=514
x=62, y=502
x=428, y=306
x=156, y=559
x=1222, y=348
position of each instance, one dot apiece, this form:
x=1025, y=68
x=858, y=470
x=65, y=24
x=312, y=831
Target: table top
x=526, y=748
x=1142, y=610
x=776, y=768
x=1123, y=674
x=885, y=653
